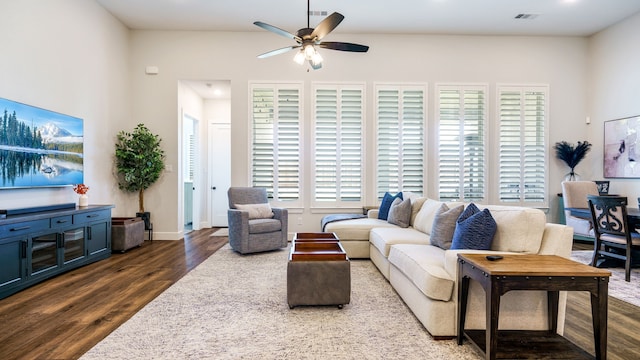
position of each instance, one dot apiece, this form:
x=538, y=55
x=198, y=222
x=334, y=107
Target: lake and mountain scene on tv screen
x=38, y=147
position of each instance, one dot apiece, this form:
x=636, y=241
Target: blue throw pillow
x=474, y=229
x=387, y=200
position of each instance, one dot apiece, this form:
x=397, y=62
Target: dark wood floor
x=64, y=317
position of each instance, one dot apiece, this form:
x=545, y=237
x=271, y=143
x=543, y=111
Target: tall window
x=462, y=122
x=338, y=119
x=400, y=115
x=522, y=115
x=275, y=140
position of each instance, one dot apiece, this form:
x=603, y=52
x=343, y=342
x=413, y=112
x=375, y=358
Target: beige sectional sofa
x=425, y=276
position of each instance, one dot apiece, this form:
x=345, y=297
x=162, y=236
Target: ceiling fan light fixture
x=309, y=51
x=307, y=39
x=316, y=59
x=299, y=58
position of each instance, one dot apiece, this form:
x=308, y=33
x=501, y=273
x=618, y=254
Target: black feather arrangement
x=572, y=155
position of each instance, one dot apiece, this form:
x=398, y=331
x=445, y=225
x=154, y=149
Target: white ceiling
x=478, y=17
x=485, y=17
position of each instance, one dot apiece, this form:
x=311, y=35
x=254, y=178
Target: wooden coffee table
x=531, y=272
x=318, y=272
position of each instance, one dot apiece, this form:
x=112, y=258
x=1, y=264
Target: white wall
x=73, y=57
x=560, y=62
x=69, y=56
x=615, y=92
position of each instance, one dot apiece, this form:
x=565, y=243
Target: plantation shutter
x=522, y=154
x=461, y=143
x=338, y=114
x=400, y=114
x=276, y=110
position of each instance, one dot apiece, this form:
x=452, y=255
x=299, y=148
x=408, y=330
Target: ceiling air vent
x=318, y=13
x=526, y=16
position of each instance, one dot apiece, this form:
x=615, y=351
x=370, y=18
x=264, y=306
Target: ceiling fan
x=308, y=38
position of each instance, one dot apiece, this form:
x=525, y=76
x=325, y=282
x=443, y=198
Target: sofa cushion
x=444, y=224
x=385, y=205
x=356, y=229
x=416, y=205
x=424, y=218
x=400, y=213
x=474, y=229
x=383, y=238
x=424, y=266
x=519, y=229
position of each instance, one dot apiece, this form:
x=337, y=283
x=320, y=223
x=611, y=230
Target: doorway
x=189, y=174
x=220, y=155
x=206, y=152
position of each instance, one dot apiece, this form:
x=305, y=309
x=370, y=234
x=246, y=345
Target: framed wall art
x=622, y=148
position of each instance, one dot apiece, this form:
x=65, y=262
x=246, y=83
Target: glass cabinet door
x=44, y=252
x=73, y=244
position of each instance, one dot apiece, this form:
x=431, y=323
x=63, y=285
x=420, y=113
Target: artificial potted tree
x=139, y=162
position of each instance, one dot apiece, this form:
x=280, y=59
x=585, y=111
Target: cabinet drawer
x=25, y=227
x=91, y=216
x=61, y=221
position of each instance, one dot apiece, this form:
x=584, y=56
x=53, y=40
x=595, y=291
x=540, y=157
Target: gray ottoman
x=318, y=273
x=126, y=233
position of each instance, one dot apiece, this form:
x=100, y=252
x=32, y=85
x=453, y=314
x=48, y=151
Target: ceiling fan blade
x=327, y=25
x=277, y=51
x=277, y=30
x=342, y=46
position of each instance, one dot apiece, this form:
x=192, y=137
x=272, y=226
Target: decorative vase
x=83, y=200
x=572, y=176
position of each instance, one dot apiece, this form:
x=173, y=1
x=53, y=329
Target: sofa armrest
x=373, y=213
x=238, y=224
x=557, y=239
x=282, y=214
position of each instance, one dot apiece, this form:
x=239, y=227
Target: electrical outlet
x=299, y=220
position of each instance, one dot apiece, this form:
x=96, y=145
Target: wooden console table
x=531, y=272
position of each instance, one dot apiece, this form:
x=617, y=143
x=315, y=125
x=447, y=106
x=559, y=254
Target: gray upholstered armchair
x=253, y=225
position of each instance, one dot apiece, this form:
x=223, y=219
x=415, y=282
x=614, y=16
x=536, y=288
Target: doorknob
x=213, y=188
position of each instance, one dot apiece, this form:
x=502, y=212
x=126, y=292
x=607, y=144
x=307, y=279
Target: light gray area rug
x=618, y=288
x=235, y=307
x=221, y=232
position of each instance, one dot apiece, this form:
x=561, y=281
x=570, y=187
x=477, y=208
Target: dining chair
x=613, y=237
x=574, y=195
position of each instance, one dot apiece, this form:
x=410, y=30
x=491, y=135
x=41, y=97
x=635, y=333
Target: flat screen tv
x=38, y=147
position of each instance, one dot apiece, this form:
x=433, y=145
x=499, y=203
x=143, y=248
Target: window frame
x=338, y=86
x=402, y=89
x=545, y=89
x=487, y=146
x=276, y=86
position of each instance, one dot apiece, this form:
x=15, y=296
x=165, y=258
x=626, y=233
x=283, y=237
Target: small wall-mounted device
x=588, y=120
x=151, y=70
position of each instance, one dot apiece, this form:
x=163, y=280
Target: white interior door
x=220, y=170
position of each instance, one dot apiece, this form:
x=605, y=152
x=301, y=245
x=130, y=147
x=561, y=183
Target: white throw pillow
x=256, y=211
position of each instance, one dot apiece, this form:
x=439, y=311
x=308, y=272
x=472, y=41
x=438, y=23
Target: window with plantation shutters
x=276, y=139
x=522, y=113
x=462, y=127
x=338, y=112
x=400, y=126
